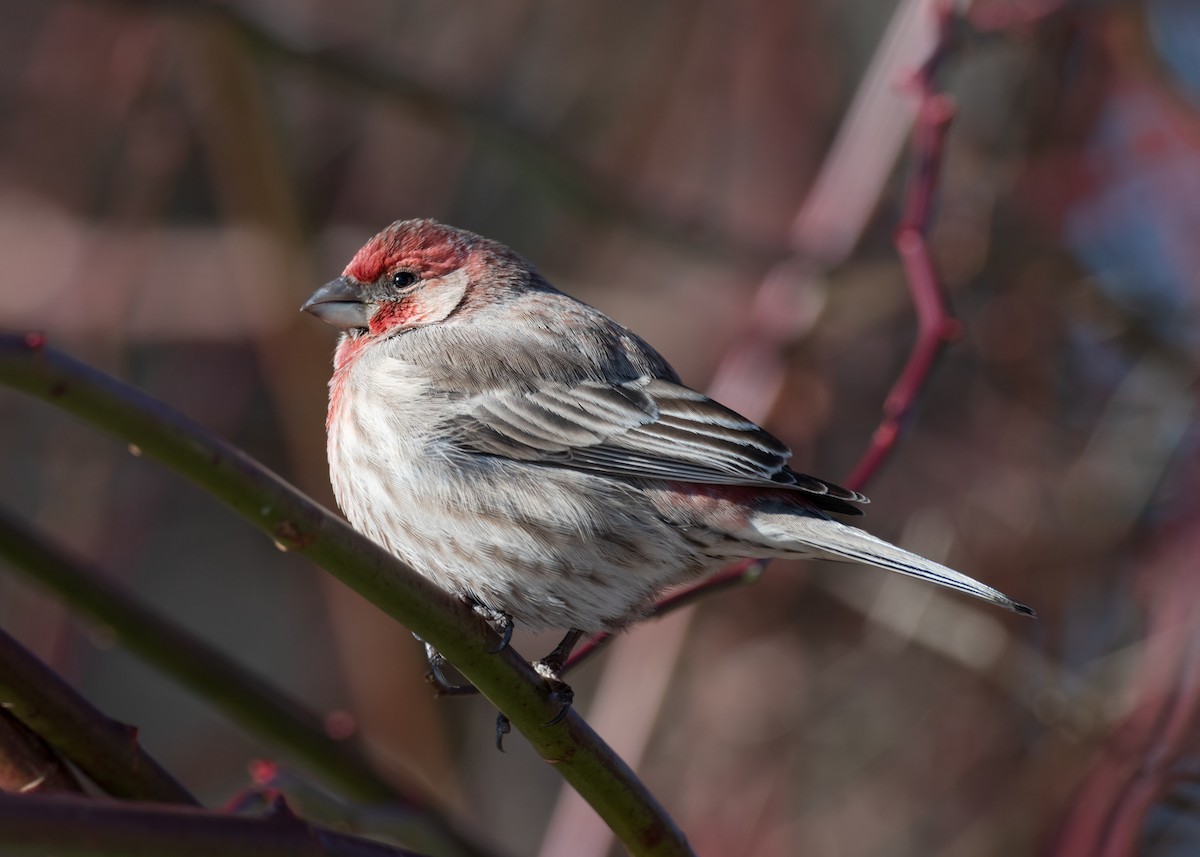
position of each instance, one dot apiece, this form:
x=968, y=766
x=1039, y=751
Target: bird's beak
x=340, y=303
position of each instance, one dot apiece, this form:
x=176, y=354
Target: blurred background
x=724, y=177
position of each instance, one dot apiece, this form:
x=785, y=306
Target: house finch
x=524, y=451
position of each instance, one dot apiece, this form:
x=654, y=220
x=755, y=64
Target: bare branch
x=77, y=827
x=105, y=749
x=246, y=699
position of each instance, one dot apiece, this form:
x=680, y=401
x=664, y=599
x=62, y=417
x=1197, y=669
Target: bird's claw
x=503, y=727
x=438, y=679
x=548, y=668
x=442, y=687
x=502, y=622
x=562, y=694
x=506, y=632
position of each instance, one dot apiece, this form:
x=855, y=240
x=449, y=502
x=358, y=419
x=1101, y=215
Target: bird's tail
x=820, y=537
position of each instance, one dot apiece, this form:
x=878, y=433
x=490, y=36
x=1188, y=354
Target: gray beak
x=339, y=302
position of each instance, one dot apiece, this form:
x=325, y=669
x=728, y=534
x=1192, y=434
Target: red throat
x=347, y=352
x=395, y=314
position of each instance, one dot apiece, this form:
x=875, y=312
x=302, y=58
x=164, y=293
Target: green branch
x=105, y=749
x=37, y=825
x=297, y=523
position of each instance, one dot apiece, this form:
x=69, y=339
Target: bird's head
x=413, y=273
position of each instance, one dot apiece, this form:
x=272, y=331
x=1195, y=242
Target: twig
x=244, y=698
x=38, y=825
x=104, y=749
x=936, y=325
x=298, y=524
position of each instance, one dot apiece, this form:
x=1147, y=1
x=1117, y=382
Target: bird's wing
x=647, y=428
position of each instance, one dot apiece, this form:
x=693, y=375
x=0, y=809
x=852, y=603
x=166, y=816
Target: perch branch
x=300, y=525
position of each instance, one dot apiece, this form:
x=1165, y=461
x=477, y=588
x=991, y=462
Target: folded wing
x=647, y=428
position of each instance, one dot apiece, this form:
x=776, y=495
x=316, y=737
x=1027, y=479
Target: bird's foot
x=499, y=620
x=549, y=668
x=561, y=693
x=437, y=678
x=503, y=624
x=503, y=727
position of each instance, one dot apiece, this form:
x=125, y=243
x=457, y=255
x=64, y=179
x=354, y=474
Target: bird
x=525, y=452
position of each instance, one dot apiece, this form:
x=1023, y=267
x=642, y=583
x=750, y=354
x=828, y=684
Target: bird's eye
x=404, y=279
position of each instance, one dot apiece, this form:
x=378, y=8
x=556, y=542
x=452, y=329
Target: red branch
x=936, y=325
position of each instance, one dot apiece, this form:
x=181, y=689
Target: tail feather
x=823, y=537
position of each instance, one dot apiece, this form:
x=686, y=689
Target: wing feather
x=648, y=428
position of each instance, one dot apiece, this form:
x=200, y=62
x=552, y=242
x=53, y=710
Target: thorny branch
x=104, y=749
